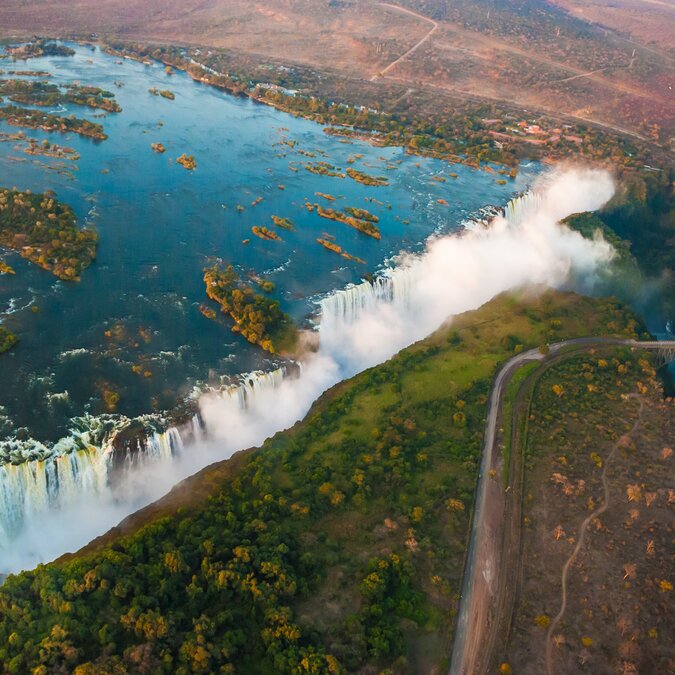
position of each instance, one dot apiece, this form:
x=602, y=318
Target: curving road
x=481, y=588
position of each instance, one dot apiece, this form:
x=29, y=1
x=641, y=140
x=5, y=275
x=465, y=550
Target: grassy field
x=516, y=381
x=337, y=546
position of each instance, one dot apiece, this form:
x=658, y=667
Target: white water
x=79, y=469
x=58, y=504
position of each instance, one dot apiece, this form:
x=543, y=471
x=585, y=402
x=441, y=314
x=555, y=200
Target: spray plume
x=360, y=327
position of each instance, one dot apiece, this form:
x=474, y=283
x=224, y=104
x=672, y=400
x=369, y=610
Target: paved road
x=479, y=589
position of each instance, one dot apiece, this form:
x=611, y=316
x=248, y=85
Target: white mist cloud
x=458, y=273
x=359, y=329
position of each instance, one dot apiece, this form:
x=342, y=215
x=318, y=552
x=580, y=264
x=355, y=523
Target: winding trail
x=583, y=528
x=485, y=572
x=415, y=47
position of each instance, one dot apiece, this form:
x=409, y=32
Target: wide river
x=160, y=225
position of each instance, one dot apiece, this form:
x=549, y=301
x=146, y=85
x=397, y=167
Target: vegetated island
x=38, y=48
x=28, y=73
x=265, y=233
x=364, y=507
x=265, y=285
x=45, y=231
x=283, y=223
x=47, y=94
x=47, y=149
x=93, y=97
x=188, y=161
x=362, y=220
x=365, y=178
x=326, y=196
x=7, y=340
x=324, y=169
x=331, y=246
x=258, y=318
x=165, y=93
x=34, y=119
x=28, y=92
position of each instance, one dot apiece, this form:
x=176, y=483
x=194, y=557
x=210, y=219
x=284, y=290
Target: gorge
x=359, y=327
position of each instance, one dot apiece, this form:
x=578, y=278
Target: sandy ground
x=603, y=82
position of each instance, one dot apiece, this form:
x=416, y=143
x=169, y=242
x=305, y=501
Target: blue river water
x=159, y=225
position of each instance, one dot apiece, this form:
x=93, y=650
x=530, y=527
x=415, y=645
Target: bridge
x=665, y=349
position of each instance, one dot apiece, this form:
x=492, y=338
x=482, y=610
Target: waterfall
x=36, y=478
x=30, y=488
x=250, y=387
x=519, y=208
x=343, y=307
x=157, y=447
x=360, y=326
x=394, y=286
x=85, y=463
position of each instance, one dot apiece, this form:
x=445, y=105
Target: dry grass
x=617, y=612
x=361, y=37
x=646, y=21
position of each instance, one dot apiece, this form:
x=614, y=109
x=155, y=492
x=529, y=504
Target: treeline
x=34, y=119
x=458, y=136
x=388, y=113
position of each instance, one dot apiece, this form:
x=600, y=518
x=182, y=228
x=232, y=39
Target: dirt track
x=583, y=528
x=415, y=47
